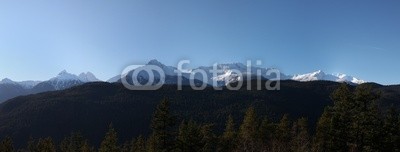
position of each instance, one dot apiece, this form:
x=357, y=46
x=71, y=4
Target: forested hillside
x=91, y=108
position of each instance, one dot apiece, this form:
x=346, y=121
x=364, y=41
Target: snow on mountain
x=320, y=75
x=228, y=73
x=7, y=81
x=63, y=80
x=346, y=78
x=168, y=70
x=88, y=77
x=24, y=84
x=66, y=80
x=143, y=77
x=84, y=77
x=317, y=75
x=28, y=84
x=64, y=75
x=227, y=69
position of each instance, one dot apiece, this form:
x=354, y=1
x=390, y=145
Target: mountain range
x=70, y=102
x=10, y=89
x=228, y=75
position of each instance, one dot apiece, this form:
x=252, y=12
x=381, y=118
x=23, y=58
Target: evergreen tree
x=227, y=142
x=282, y=135
x=342, y=119
x=6, y=145
x=139, y=144
x=189, y=137
x=86, y=147
x=193, y=137
x=391, y=131
x=31, y=145
x=110, y=141
x=266, y=132
x=248, y=131
x=323, y=138
x=162, y=124
x=366, y=123
x=353, y=123
x=73, y=143
x=45, y=145
x=301, y=138
x=208, y=139
x=151, y=144
x=127, y=146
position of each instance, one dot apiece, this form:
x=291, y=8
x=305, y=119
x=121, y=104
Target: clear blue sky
x=40, y=38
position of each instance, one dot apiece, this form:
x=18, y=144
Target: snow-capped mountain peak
x=320, y=75
x=84, y=77
x=347, y=78
x=64, y=75
x=88, y=77
x=7, y=81
x=66, y=80
x=168, y=70
x=319, y=72
x=228, y=73
x=317, y=75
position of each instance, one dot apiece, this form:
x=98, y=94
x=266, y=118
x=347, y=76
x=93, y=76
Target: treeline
x=353, y=123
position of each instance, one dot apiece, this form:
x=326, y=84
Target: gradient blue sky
x=40, y=38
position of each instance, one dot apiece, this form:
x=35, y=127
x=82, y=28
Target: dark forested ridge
x=91, y=108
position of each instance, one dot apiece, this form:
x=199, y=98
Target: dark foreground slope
x=91, y=107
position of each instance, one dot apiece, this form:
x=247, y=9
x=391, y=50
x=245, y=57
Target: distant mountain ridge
x=228, y=74
x=64, y=80
x=25, y=84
